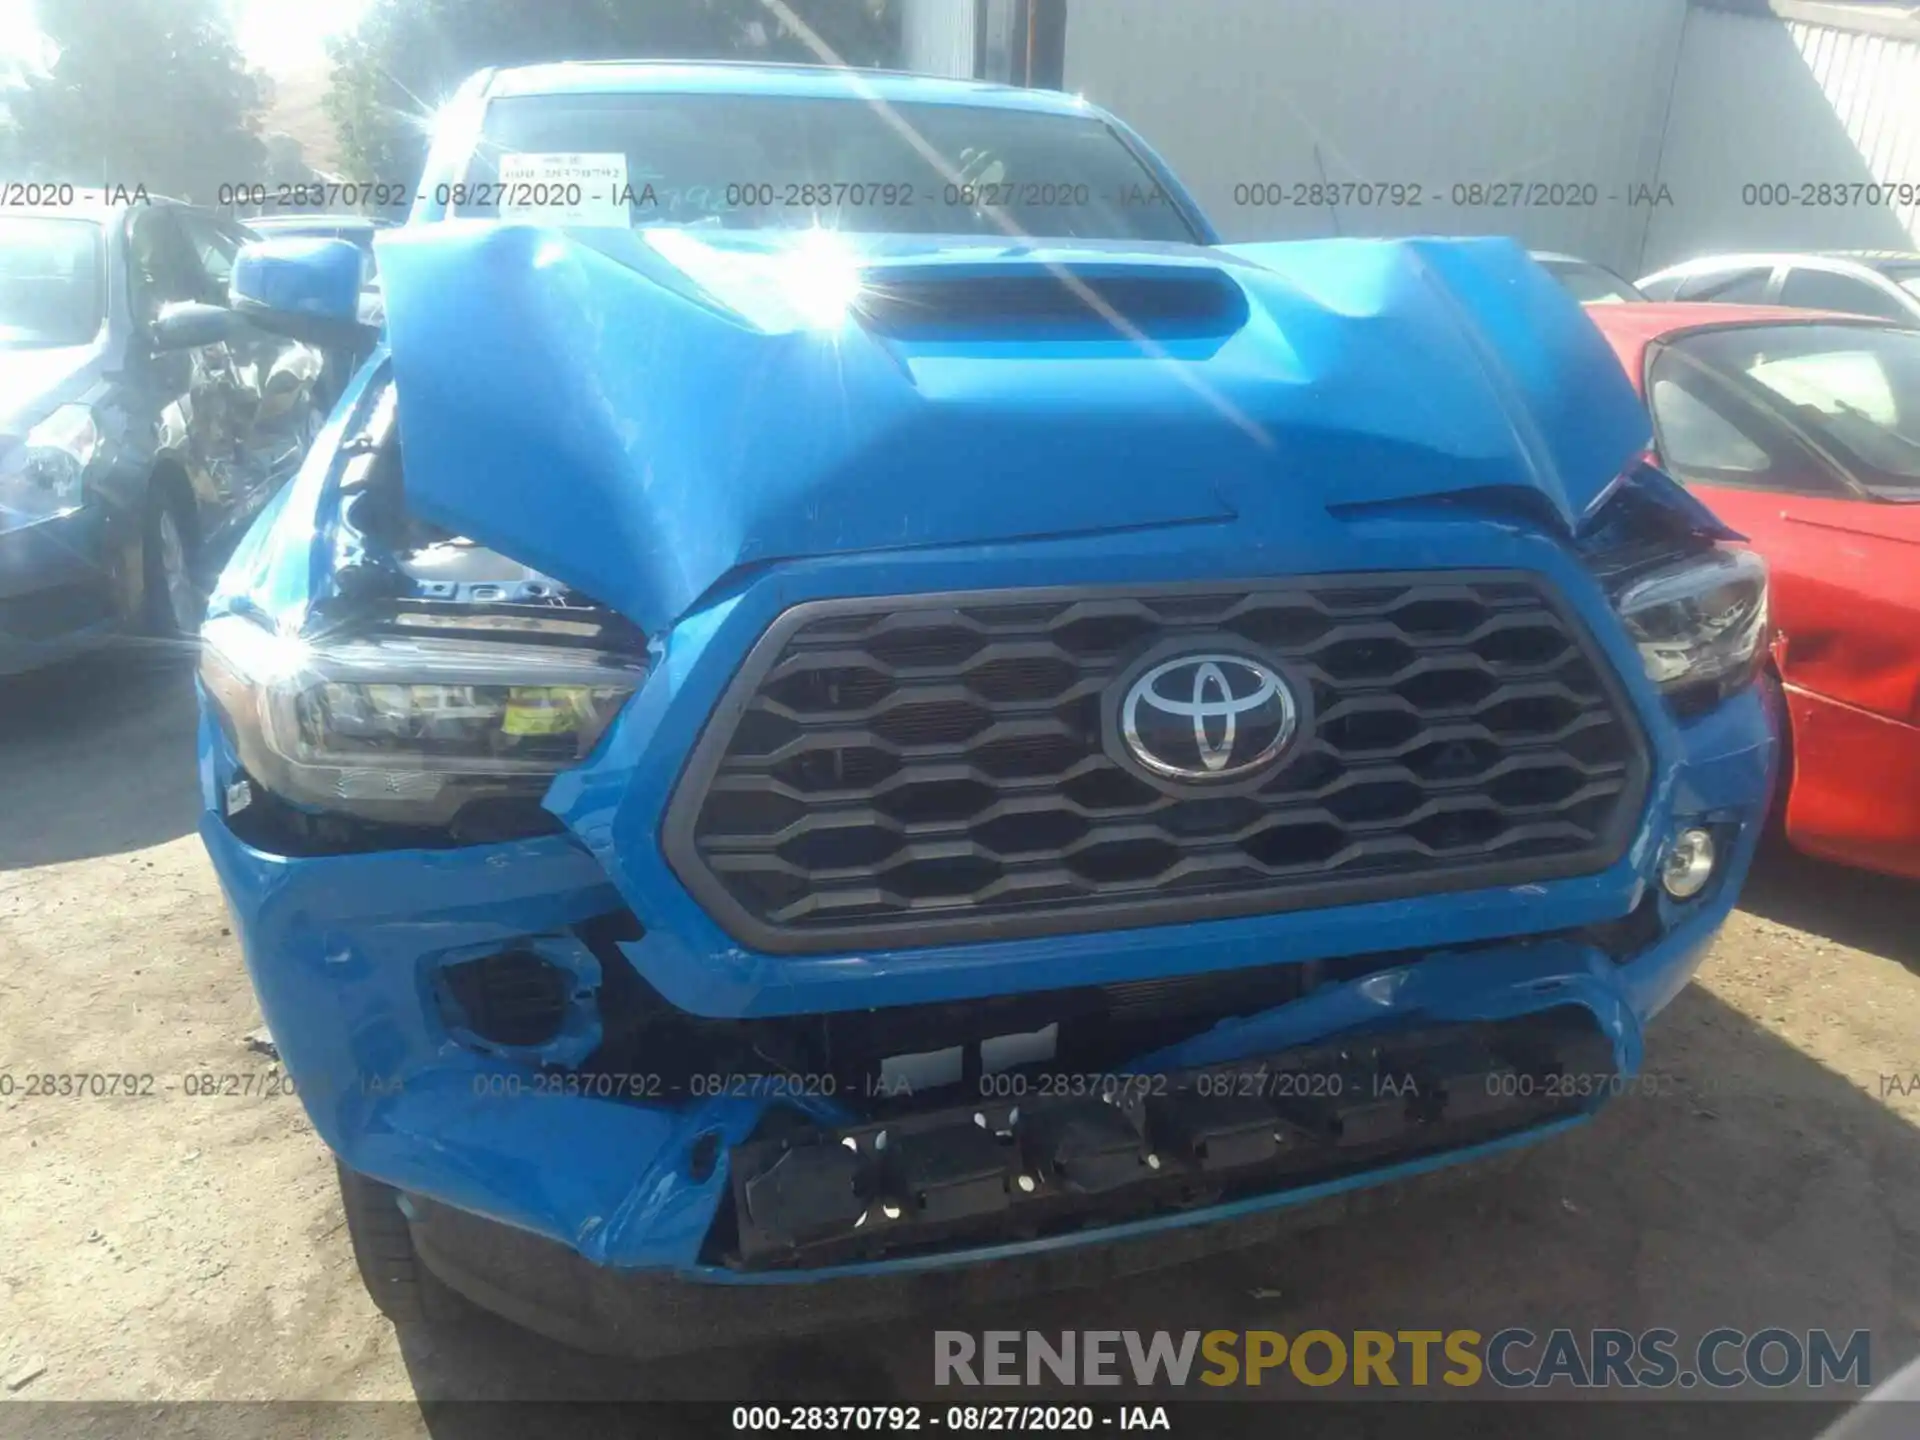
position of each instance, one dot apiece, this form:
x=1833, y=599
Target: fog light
x=515, y=998
x=1688, y=864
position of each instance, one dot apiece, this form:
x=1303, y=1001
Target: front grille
x=920, y=770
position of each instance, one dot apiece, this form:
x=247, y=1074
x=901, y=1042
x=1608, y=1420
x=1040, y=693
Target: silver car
x=1881, y=283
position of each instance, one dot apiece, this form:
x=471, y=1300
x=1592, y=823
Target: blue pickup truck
x=849, y=693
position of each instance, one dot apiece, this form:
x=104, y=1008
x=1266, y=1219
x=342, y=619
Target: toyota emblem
x=1207, y=716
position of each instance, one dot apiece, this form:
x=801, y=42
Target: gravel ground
x=164, y=1248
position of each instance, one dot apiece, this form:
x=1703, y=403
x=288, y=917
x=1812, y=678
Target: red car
x=1801, y=430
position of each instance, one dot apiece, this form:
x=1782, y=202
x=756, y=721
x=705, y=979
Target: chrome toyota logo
x=1207, y=717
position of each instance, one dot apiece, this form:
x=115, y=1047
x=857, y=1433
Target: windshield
x=783, y=162
x=1854, y=389
x=51, y=273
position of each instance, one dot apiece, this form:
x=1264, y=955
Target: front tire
x=405, y=1291
x=173, y=604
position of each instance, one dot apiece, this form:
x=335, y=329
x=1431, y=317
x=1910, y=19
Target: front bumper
x=342, y=951
x=1044, y=1158
x=551, y=1288
x=56, y=599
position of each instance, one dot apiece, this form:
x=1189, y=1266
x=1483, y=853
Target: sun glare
x=22, y=45
x=290, y=36
x=822, y=277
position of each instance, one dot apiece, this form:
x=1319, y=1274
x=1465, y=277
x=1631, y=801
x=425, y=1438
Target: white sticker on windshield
x=564, y=189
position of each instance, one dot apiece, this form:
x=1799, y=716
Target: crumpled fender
x=638, y=417
x=1847, y=602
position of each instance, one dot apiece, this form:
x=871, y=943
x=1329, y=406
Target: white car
x=1881, y=283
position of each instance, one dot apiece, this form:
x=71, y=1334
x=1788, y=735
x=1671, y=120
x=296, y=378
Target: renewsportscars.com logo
x=1513, y=1358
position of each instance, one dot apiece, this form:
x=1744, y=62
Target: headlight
x=41, y=477
x=1701, y=626
x=406, y=730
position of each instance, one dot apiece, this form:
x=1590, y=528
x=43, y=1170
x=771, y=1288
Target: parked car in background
x=1882, y=283
x=1802, y=431
x=141, y=422
x=1591, y=283
x=874, y=699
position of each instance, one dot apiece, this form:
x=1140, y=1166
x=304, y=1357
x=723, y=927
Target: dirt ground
x=166, y=1247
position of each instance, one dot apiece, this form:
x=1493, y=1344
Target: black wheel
x=404, y=1289
x=172, y=600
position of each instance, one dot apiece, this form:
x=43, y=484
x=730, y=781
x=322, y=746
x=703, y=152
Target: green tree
x=406, y=56
x=141, y=92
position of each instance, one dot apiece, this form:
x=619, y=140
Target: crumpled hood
x=639, y=413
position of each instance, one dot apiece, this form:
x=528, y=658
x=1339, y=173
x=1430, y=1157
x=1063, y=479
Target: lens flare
x=822, y=278
x=807, y=282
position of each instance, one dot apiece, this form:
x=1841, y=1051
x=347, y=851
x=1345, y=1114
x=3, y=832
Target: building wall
x=1672, y=113
x=1434, y=93
x=1766, y=102
x=937, y=36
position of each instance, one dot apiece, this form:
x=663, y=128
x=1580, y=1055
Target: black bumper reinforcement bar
x=1060, y=1153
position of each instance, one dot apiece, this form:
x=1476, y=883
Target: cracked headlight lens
x=1700, y=626
x=42, y=477
x=408, y=730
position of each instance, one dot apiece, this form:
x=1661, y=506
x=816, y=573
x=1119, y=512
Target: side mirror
x=304, y=288
x=190, y=323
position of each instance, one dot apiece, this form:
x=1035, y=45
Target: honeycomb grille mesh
x=906, y=772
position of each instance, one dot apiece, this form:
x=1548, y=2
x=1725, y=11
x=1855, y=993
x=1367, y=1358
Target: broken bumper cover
x=56, y=599
x=551, y=1288
x=1149, y=1142
x=514, y=1173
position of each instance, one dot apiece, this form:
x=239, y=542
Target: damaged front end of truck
x=741, y=763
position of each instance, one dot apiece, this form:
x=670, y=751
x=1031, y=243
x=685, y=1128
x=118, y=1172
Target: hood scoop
x=1049, y=302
